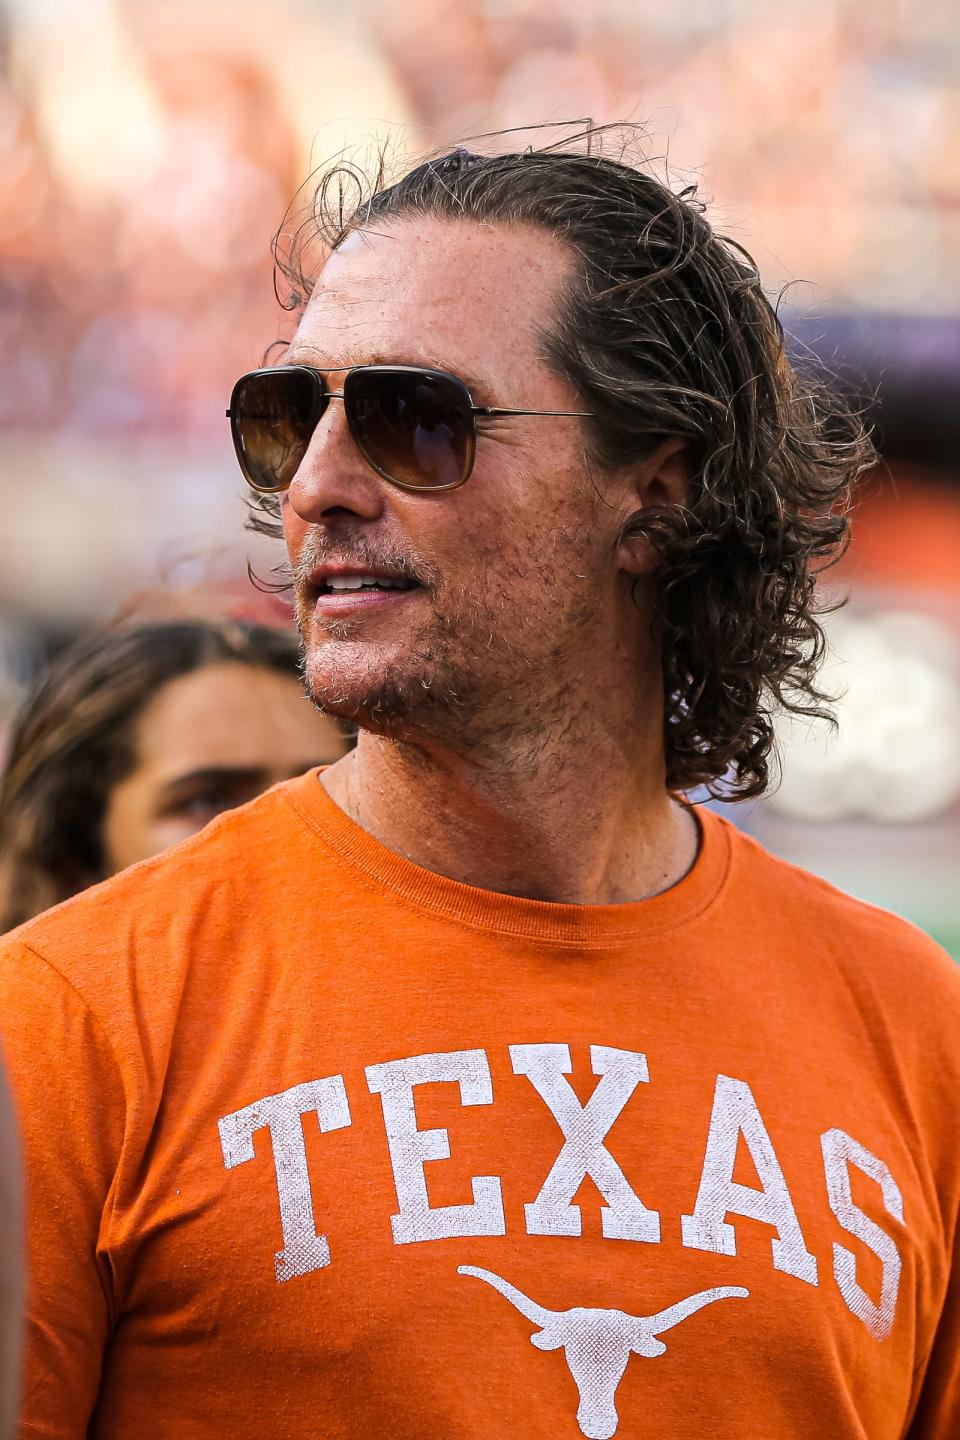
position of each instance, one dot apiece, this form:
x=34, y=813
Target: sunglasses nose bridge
x=333, y=476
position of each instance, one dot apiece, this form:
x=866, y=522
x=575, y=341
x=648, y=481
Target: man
x=478, y=1086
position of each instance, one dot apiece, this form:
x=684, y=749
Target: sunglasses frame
x=321, y=396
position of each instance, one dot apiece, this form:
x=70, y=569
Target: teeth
x=348, y=582
x=357, y=582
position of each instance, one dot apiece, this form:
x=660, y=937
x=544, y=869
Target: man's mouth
x=335, y=584
x=338, y=587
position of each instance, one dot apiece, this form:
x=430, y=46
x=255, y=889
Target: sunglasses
x=415, y=427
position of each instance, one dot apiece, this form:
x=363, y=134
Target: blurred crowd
x=128, y=275
x=826, y=130
x=147, y=152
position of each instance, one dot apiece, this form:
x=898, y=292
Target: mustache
x=321, y=548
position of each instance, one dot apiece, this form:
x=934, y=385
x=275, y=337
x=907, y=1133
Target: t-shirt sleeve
x=69, y=1099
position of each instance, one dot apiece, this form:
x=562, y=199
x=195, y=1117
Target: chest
x=472, y=1222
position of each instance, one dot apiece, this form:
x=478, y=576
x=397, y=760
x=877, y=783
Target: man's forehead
x=436, y=290
x=442, y=253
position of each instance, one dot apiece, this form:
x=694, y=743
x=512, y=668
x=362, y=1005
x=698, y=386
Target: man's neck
x=568, y=821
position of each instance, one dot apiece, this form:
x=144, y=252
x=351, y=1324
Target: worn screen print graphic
x=597, y=1342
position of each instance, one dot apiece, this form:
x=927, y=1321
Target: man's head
x=663, y=543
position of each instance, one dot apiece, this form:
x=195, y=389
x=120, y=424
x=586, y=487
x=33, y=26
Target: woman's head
x=135, y=738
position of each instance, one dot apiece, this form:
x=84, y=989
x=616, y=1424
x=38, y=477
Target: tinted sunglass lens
x=414, y=427
x=273, y=415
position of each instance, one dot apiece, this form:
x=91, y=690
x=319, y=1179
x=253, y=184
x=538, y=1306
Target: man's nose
x=333, y=477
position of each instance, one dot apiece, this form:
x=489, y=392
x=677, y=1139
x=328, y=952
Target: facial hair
x=400, y=701
x=487, y=662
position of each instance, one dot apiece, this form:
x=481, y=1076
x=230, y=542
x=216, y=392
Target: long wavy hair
x=666, y=332
x=74, y=740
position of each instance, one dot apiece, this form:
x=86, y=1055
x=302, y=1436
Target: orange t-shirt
x=320, y=1144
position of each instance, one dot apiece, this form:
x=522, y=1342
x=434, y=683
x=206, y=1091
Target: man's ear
x=658, y=483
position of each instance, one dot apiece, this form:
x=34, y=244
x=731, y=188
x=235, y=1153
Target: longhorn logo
x=598, y=1343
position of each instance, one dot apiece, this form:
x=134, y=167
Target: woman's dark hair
x=666, y=332
x=75, y=740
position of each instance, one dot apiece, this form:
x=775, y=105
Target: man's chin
x=385, y=703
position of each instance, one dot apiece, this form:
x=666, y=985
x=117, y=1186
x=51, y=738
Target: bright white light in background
x=897, y=754
x=96, y=109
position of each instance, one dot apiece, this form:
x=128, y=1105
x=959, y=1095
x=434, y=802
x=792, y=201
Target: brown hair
x=668, y=332
x=75, y=739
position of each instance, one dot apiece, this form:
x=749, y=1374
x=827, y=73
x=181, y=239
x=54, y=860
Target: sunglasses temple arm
x=495, y=410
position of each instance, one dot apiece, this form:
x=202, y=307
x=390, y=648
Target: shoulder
x=861, y=991
x=877, y=956
x=171, y=878
x=147, y=924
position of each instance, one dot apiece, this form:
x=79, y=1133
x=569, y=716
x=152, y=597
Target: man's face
x=518, y=582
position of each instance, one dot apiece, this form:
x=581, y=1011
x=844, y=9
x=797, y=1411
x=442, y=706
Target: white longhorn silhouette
x=598, y=1343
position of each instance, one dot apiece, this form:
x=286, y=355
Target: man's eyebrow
x=307, y=355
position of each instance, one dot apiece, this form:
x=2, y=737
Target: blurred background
x=148, y=149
